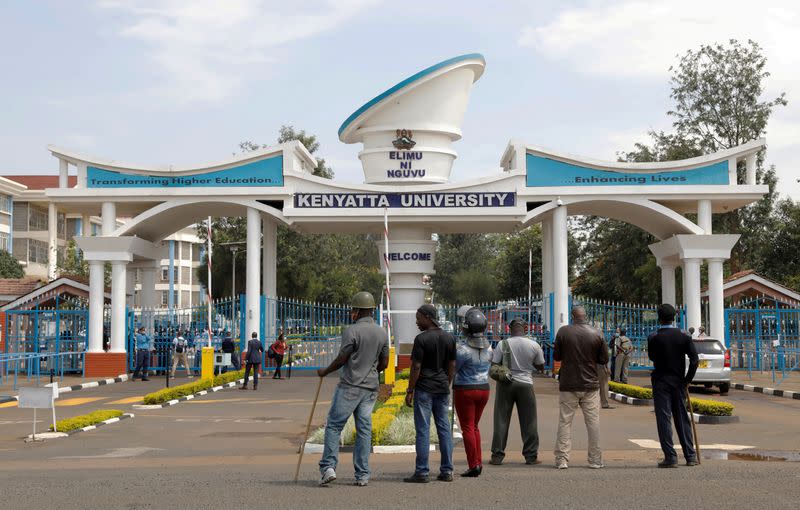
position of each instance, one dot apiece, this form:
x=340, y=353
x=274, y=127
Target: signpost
x=39, y=398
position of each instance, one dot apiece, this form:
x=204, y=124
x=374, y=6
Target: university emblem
x=404, y=141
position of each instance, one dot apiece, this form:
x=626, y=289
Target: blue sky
x=178, y=82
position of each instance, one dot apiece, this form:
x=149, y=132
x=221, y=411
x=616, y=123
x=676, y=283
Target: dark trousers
x=469, y=406
x=278, y=362
x=669, y=400
x=142, y=364
x=521, y=395
x=255, y=367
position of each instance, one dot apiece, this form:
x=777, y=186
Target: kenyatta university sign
x=402, y=200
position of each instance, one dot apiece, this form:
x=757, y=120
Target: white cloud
x=207, y=49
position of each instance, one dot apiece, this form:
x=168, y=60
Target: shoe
x=561, y=464
x=243, y=387
x=692, y=462
x=472, y=472
x=361, y=483
x=609, y=407
x=145, y=379
x=445, y=477
x=596, y=466
x=415, y=478
x=190, y=376
x=668, y=464
x=327, y=477
x=254, y=388
x=532, y=461
x=496, y=461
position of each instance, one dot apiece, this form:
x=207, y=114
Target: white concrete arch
x=164, y=219
x=660, y=221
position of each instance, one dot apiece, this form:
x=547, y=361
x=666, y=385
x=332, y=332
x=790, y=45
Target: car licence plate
x=703, y=364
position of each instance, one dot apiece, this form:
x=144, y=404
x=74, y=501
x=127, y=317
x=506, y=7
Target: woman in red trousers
x=471, y=386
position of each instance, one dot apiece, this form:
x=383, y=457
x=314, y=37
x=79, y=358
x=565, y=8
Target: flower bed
x=84, y=420
x=167, y=394
x=699, y=406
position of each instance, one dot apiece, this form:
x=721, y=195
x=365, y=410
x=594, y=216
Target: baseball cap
x=430, y=312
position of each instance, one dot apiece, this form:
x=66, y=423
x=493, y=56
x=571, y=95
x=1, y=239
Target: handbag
x=502, y=373
x=270, y=352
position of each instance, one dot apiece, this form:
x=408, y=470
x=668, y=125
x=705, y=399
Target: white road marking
x=655, y=445
x=116, y=453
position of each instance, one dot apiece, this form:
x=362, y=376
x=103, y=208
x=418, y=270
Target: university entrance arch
x=408, y=135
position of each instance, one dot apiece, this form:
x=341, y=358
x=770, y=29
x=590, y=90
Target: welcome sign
x=266, y=172
x=544, y=172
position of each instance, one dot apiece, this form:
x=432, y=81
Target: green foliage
x=72, y=263
x=712, y=407
x=511, y=265
x=403, y=374
x=9, y=266
x=780, y=260
x=167, y=394
x=287, y=134
x=459, y=258
x=84, y=420
x=631, y=390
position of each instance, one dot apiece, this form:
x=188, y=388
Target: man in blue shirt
x=143, y=345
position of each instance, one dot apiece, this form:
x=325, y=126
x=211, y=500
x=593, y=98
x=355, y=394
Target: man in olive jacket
x=580, y=348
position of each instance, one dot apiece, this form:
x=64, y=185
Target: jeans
x=469, y=405
x=255, y=367
x=589, y=402
x=506, y=397
x=424, y=404
x=349, y=400
x=669, y=403
x=142, y=363
x=602, y=377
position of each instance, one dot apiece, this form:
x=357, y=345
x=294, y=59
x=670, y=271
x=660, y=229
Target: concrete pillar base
x=106, y=364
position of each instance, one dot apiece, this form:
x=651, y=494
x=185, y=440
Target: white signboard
x=36, y=398
x=222, y=359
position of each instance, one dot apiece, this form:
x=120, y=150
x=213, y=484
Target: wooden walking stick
x=694, y=427
x=308, y=429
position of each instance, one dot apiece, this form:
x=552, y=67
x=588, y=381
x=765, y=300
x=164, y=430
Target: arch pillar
x=561, y=310
x=253, y=284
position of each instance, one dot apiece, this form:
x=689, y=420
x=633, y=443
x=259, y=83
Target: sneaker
x=597, y=466
x=327, y=477
x=668, y=464
x=496, y=461
x=445, y=477
x=533, y=461
x=361, y=483
x=415, y=478
x=609, y=407
x=692, y=462
x=145, y=379
x=561, y=464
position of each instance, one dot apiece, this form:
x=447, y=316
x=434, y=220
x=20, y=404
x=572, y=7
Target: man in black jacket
x=668, y=349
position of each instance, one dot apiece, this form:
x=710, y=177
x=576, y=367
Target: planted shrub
x=84, y=420
x=167, y=394
x=631, y=390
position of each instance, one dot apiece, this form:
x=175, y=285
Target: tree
x=9, y=266
x=780, y=257
x=72, y=263
x=511, y=267
x=460, y=257
x=287, y=134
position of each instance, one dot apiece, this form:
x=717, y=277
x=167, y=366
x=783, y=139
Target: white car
x=714, y=367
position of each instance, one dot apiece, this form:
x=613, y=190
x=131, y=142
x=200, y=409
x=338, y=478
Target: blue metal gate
x=50, y=331
x=763, y=334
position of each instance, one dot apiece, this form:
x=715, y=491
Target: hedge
x=712, y=407
x=84, y=420
x=167, y=394
x=631, y=390
x=403, y=374
x=699, y=406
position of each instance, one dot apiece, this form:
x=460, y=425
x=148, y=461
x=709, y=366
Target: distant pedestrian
x=253, y=357
x=143, y=345
x=692, y=333
x=180, y=350
x=612, y=349
x=522, y=355
x=701, y=333
x=471, y=387
x=433, y=366
x=668, y=349
x=228, y=347
x=580, y=348
x=623, y=355
x=364, y=353
x=278, y=349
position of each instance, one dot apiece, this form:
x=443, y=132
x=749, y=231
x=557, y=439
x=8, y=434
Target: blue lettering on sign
x=266, y=172
x=409, y=256
x=403, y=200
x=543, y=171
x=405, y=173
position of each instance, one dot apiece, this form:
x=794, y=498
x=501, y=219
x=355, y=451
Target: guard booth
x=47, y=327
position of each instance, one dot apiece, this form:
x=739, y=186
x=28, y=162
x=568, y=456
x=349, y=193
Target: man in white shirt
x=523, y=355
x=180, y=348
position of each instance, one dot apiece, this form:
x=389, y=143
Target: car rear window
x=709, y=347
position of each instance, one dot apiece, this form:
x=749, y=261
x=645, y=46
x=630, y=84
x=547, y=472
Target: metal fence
x=51, y=331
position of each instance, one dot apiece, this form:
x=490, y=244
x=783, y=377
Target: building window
x=165, y=274
x=72, y=227
x=196, y=252
x=21, y=217
x=4, y=239
x=37, y=251
x=165, y=298
x=61, y=226
x=20, y=249
x=6, y=203
x=37, y=219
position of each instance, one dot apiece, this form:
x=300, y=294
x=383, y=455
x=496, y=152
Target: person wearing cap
x=433, y=366
x=471, y=386
x=143, y=345
x=523, y=355
x=364, y=353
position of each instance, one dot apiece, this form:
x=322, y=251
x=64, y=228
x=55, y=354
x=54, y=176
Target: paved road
x=238, y=448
